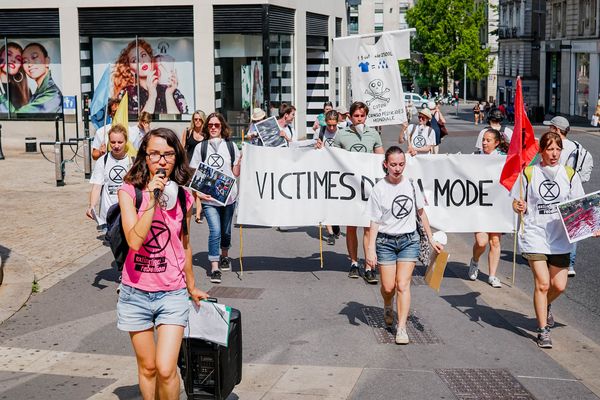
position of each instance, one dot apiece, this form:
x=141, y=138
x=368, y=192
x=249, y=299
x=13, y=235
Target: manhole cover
x=235, y=292
x=497, y=384
x=417, y=331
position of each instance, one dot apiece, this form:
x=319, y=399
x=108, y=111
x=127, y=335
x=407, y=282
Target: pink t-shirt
x=158, y=264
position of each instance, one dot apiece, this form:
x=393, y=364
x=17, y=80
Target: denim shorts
x=390, y=249
x=138, y=310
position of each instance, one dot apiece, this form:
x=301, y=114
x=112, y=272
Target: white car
x=417, y=100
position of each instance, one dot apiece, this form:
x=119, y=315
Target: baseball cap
x=560, y=122
x=341, y=110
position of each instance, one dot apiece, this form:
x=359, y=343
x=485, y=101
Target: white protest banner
x=375, y=74
x=305, y=187
x=463, y=192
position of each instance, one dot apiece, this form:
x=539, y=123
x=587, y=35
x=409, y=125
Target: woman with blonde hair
x=193, y=135
x=138, y=62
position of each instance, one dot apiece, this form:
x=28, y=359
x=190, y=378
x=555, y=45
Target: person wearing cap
x=568, y=155
x=258, y=114
x=494, y=120
x=343, y=114
x=421, y=136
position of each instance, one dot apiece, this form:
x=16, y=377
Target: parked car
x=417, y=100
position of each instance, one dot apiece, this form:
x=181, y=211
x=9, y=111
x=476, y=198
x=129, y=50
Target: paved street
x=306, y=331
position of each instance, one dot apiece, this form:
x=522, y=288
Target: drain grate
x=497, y=384
x=235, y=292
x=417, y=332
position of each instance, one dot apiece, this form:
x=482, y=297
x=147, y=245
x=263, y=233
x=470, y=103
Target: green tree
x=448, y=37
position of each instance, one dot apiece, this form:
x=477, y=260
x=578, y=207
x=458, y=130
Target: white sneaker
x=571, y=272
x=401, y=336
x=495, y=282
x=473, y=270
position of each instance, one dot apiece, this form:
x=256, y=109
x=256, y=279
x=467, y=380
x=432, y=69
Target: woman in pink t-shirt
x=157, y=274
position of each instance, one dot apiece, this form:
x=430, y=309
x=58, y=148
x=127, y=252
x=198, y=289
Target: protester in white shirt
x=394, y=239
x=137, y=132
x=421, y=137
x=99, y=141
x=493, y=143
x=108, y=175
x=287, y=113
x=544, y=242
x=494, y=120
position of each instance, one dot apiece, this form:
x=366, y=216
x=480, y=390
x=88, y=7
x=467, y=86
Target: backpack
x=115, y=234
x=204, y=150
x=584, y=162
x=528, y=172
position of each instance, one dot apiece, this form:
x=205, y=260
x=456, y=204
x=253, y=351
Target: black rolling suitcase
x=209, y=370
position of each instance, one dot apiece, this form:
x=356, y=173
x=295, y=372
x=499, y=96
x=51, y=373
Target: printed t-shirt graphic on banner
x=375, y=75
x=109, y=172
x=213, y=175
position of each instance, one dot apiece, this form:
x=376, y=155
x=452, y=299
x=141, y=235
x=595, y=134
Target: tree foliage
x=447, y=37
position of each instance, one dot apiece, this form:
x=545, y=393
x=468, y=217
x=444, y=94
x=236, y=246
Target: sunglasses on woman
x=217, y=125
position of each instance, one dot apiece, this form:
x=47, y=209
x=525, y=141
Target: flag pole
x=321, y=244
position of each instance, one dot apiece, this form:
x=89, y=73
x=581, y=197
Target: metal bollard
x=1, y=153
x=59, y=168
x=87, y=157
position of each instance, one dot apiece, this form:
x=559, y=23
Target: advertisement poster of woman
x=156, y=73
x=30, y=77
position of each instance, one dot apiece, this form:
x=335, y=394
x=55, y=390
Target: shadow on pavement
x=353, y=310
x=499, y=318
x=109, y=275
x=332, y=262
x=127, y=392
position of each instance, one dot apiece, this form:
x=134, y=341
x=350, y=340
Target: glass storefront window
x=238, y=77
x=282, y=71
x=583, y=84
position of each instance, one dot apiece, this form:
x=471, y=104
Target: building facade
x=486, y=89
x=174, y=57
x=520, y=31
x=570, y=58
x=371, y=16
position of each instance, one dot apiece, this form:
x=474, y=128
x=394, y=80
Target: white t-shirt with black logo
x=328, y=138
x=420, y=135
x=393, y=206
x=109, y=172
x=218, y=157
x=543, y=230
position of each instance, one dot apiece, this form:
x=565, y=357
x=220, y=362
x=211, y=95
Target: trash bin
x=30, y=145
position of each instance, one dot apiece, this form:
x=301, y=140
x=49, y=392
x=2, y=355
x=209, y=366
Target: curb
x=16, y=285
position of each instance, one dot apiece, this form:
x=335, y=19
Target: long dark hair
x=18, y=88
x=225, y=129
x=502, y=145
x=139, y=175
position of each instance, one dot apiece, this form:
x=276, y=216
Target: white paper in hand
x=209, y=322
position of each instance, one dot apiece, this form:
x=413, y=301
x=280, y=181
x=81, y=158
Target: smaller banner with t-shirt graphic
x=376, y=77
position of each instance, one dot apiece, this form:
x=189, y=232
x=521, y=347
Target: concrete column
x=204, y=57
x=331, y=68
x=542, y=77
x=300, y=69
x=565, y=81
x=594, y=83
x=69, y=59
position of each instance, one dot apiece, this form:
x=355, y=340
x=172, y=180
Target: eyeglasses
x=422, y=117
x=217, y=125
x=198, y=119
x=168, y=156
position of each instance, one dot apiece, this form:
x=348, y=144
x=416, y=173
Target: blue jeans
x=219, y=220
x=391, y=249
x=572, y=256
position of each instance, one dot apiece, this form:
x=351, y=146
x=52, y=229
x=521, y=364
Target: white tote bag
x=209, y=322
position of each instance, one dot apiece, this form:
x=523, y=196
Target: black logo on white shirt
x=402, y=206
x=549, y=190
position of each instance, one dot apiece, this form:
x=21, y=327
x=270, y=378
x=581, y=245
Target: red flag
x=523, y=146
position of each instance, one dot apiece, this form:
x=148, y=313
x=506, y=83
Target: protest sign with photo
x=31, y=78
x=269, y=132
x=212, y=182
x=581, y=217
